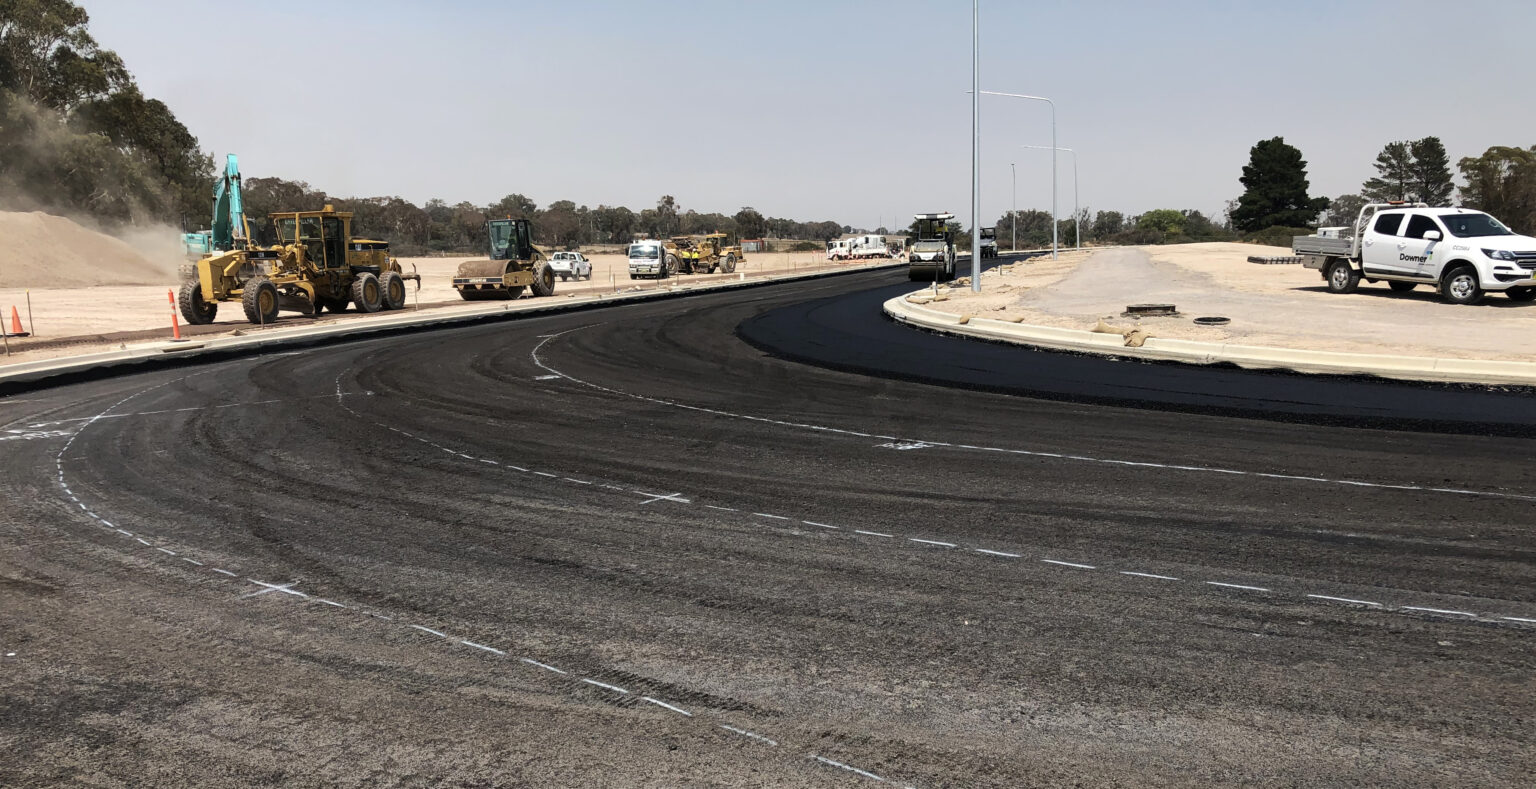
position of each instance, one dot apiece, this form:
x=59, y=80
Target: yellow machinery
x=703, y=254
x=312, y=264
x=514, y=264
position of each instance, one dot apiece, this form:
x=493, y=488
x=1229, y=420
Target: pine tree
x=1394, y=174
x=1431, y=172
x=1276, y=189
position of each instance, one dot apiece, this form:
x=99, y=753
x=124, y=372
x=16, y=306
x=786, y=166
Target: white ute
x=1461, y=252
x=570, y=265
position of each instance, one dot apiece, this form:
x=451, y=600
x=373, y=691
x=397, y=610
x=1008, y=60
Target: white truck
x=649, y=258
x=868, y=246
x=1460, y=252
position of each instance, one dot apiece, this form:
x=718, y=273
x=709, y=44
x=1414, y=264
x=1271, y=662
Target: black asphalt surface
x=627, y=547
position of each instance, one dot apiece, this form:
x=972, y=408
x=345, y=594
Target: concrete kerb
x=1410, y=368
x=50, y=372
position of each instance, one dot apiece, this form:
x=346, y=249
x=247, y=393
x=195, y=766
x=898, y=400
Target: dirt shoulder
x=75, y=321
x=1283, y=306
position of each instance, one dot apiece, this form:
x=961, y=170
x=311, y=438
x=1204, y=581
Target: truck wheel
x=391, y=290
x=1401, y=286
x=1461, y=286
x=543, y=280
x=1342, y=278
x=1521, y=294
x=668, y=267
x=197, y=311
x=366, y=295
x=260, y=301
x=729, y=266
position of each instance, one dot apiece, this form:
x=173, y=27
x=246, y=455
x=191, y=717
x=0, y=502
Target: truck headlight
x=1500, y=254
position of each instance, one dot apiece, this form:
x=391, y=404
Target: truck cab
x=649, y=258
x=1463, y=253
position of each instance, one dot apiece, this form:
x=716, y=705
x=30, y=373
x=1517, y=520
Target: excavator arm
x=229, y=231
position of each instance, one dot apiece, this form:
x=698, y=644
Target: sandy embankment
x=1269, y=305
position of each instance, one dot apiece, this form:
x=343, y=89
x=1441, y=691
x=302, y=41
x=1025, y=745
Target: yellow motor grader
x=704, y=254
x=304, y=261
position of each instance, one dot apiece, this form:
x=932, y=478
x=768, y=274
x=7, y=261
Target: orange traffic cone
x=16, y=323
x=175, y=325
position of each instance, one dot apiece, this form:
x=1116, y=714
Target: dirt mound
x=40, y=250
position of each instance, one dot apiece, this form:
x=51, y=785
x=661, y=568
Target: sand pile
x=40, y=250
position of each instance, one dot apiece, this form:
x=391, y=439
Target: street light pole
x=1014, y=169
x=1077, y=221
x=976, y=146
x=1054, y=245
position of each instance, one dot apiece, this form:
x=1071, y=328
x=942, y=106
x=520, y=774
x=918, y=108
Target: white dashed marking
x=872, y=533
x=1003, y=554
x=1070, y=564
x=492, y=650
x=1238, y=586
x=850, y=768
x=430, y=630
x=1343, y=600
x=931, y=542
x=660, y=703
x=1438, y=611
x=605, y=686
x=1149, y=575
x=754, y=735
x=545, y=666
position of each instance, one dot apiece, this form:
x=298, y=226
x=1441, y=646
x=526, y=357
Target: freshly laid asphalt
x=697, y=543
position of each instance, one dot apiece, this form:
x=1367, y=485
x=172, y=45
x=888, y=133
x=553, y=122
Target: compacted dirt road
x=626, y=548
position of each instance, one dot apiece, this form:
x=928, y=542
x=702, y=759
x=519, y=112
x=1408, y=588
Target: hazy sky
x=819, y=109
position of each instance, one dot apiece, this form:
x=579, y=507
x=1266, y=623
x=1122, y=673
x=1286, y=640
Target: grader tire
x=366, y=293
x=194, y=309
x=392, y=290
x=543, y=280
x=260, y=301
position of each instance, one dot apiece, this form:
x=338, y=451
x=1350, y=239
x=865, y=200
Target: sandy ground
x=71, y=321
x=1269, y=305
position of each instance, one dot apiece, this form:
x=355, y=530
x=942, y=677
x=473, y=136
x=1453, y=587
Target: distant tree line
x=441, y=227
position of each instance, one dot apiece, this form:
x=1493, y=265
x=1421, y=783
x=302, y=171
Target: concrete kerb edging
x=1412, y=368
x=28, y=375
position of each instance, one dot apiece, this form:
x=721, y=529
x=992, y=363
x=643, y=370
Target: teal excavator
x=229, y=230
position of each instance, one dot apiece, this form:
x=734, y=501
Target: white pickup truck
x=1461, y=252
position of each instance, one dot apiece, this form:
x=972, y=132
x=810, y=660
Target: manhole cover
x=1213, y=321
x=1150, y=309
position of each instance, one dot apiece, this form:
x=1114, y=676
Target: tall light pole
x=976, y=146
x=1077, y=220
x=1053, y=158
x=1014, y=169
